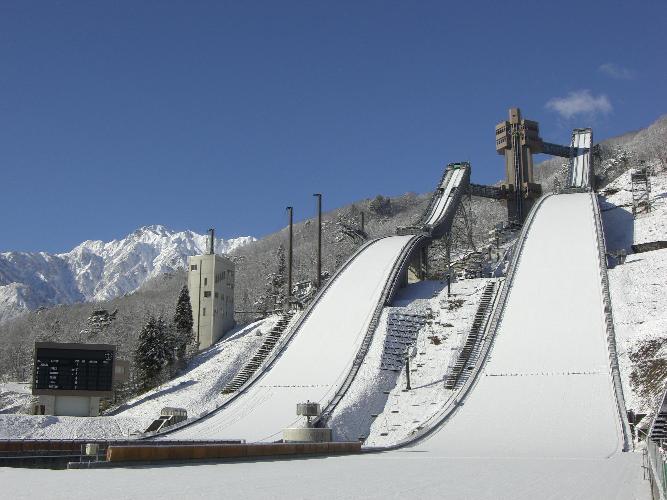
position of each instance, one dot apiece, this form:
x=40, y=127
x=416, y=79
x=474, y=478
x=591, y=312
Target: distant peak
x=154, y=228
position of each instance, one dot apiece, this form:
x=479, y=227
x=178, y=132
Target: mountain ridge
x=97, y=270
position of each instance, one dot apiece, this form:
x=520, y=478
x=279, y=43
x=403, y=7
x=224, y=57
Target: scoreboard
x=73, y=369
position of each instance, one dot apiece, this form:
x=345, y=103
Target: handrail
x=278, y=349
x=489, y=339
x=609, y=323
x=657, y=465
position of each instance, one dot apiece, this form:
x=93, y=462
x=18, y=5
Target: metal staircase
x=262, y=353
x=458, y=374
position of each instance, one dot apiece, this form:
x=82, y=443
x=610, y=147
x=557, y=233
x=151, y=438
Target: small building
x=211, y=288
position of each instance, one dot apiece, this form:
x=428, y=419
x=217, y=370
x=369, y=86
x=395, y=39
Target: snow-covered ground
x=198, y=391
x=51, y=427
x=381, y=392
x=639, y=300
x=399, y=475
x=621, y=231
x=14, y=397
x=638, y=287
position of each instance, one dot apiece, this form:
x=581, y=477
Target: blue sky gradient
x=115, y=115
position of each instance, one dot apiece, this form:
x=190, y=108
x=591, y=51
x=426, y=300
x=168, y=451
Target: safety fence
x=655, y=460
x=609, y=323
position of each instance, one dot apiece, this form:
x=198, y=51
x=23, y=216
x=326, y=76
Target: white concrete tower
x=211, y=288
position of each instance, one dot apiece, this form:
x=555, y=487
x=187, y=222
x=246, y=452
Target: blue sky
x=115, y=115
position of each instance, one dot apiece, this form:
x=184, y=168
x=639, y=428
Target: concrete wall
x=71, y=406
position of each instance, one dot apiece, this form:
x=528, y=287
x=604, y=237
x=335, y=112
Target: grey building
x=211, y=288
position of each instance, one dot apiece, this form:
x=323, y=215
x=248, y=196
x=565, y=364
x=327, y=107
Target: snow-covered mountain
x=97, y=270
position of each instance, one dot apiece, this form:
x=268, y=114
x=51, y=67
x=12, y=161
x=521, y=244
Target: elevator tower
x=518, y=139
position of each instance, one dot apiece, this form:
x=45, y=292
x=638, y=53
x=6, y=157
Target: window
x=216, y=295
x=193, y=267
x=203, y=311
x=205, y=281
x=207, y=294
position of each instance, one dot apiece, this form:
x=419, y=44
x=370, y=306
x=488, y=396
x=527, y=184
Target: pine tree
x=276, y=282
x=280, y=278
x=183, y=322
x=154, y=351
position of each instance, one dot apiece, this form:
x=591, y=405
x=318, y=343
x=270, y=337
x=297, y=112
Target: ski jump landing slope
x=547, y=389
x=318, y=361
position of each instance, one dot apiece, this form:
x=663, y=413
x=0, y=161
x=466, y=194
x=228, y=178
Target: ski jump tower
x=518, y=139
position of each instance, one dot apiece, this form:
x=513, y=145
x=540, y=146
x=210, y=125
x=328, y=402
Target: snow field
x=397, y=475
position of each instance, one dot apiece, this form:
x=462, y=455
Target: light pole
x=318, y=280
x=290, y=214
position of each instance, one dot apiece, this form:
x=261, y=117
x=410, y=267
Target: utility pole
x=362, y=223
x=319, y=240
x=448, y=244
x=290, y=213
x=407, y=373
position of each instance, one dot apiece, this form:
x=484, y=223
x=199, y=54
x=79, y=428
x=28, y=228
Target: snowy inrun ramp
x=318, y=358
x=547, y=389
x=450, y=182
x=580, y=167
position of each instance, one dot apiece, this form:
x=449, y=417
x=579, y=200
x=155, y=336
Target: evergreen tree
x=380, y=205
x=184, y=338
x=280, y=278
x=154, y=351
x=276, y=282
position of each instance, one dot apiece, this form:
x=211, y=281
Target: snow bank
x=14, y=397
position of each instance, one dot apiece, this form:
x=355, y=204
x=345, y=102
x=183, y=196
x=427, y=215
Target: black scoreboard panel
x=58, y=369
